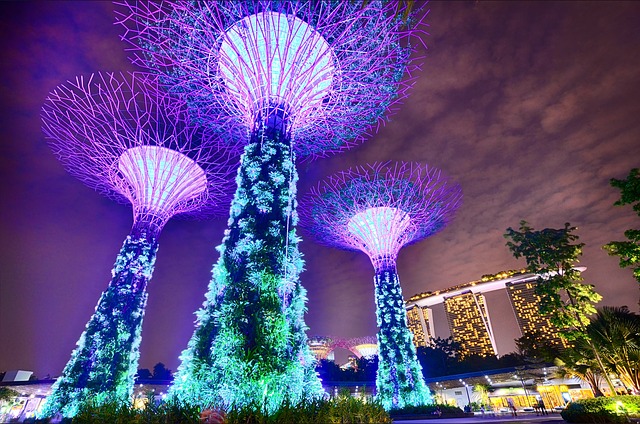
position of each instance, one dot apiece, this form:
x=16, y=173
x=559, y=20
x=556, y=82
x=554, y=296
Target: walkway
x=522, y=418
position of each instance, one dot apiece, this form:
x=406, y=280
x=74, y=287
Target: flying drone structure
x=123, y=136
x=378, y=209
x=287, y=80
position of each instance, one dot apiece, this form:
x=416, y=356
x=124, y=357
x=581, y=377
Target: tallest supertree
x=287, y=80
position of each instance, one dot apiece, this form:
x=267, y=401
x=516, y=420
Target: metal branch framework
x=380, y=208
x=123, y=136
x=331, y=68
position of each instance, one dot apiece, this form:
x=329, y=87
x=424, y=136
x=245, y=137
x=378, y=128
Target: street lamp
x=466, y=386
x=526, y=395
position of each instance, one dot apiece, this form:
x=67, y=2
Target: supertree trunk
x=399, y=381
x=103, y=366
x=250, y=346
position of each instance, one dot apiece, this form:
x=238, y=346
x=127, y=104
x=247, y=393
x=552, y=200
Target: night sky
x=530, y=106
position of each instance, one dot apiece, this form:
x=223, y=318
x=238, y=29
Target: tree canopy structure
x=378, y=209
x=287, y=80
x=123, y=136
x=628, y=250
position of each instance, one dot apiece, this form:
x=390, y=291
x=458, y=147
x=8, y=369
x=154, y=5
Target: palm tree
x=574, y=363
x=616, y=332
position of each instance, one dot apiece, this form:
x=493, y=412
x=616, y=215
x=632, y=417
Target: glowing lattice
x=122, y=135
x=367, y=350
x=380, y=208
x=333, y=67
x=270, y=59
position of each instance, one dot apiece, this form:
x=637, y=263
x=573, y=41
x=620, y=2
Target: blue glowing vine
x=399, y=381
x=103, y=366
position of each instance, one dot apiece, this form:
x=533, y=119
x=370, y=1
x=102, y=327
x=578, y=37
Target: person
x=542, y=408
x=512, y=407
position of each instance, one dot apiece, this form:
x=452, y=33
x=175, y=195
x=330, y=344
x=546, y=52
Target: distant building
x=525, y=303
x=468, y=315
x=420, y=322
x=17, y=375
x=469, y=323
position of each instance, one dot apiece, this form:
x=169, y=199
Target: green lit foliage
x=616, y=409
x=103, y=366
x=579, y=362
x=399, y=382
x=434, y=410
x=616, y=333
x=629, y=250
x=553, y=255
x=117, y=412
x=250, y=346
x=340, y=409
x=7, y=394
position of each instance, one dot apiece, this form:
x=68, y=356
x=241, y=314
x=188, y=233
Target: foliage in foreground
x=616, y=409
x=342, y=409
x=170, y=412
x=447, y=411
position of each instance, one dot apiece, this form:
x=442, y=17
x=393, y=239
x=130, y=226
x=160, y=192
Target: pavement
x=522, y=418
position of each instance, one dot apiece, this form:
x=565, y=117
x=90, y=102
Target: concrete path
x=500, y=419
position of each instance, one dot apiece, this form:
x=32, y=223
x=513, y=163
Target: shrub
x=170, y=412
x=342, y=409
x=448, y=411
x=615, y=409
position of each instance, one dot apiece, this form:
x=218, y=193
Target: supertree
x=287, y=79
x=123, y=136
x=378, y=209
x=364, y=347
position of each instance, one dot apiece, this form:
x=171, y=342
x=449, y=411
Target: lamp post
x=518, y=375
x=466, y=387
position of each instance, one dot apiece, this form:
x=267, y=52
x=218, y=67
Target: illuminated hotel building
x=469, y=323
x=420, y=322
x=525, y=301
x=468, y=315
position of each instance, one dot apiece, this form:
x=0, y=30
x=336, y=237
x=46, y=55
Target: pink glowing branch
x=122, y=136
x=334, y=68
x=380, y=208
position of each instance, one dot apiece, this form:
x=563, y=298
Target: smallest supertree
x=378, y=209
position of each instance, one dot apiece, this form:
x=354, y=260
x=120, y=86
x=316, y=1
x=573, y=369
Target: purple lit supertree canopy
x=123, y=136
x=323, y=72
x=286, y=79
x=378, y=209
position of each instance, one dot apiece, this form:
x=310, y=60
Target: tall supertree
x=287, y=79
x=123, y=136
x=378, y=209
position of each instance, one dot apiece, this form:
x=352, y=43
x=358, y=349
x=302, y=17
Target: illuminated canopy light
x=380, y=208
x=368, y=350
x=380, y=232
x=124, y=136
x=270, y=58
x=160, y=177
x=334, y=67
